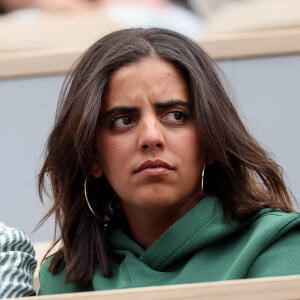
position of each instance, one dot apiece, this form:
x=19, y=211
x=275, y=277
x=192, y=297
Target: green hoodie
x=199, y=247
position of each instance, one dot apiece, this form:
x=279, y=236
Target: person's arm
x=10, y=5
x=50, y=6
x=17, y=263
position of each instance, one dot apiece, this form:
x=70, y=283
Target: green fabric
x=199, y=247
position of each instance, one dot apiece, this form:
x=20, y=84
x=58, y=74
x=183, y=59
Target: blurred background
x=31, y=24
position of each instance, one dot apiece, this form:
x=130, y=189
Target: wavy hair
x=243, y=175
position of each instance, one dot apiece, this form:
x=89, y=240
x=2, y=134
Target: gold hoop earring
x=202, y=178
x=88, y=202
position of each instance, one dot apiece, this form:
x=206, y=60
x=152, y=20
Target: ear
x=97, y=169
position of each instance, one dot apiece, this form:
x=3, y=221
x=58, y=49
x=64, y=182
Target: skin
x=77, y=6
x=148, y=146
x=74, y=6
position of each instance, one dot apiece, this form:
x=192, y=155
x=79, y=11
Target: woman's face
x=148, y=147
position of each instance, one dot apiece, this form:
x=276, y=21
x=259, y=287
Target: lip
x=154, y=167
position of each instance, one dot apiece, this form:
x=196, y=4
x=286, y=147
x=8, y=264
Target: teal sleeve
x=280, y=259
x=55, y=284
x=17, y=263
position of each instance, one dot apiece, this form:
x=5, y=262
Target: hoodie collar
x=201, y=226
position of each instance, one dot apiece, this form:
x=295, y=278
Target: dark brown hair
x=243, y=175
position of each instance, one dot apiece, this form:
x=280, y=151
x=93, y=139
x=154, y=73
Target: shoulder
x=276, y=221
x=269, y=225
x=279, y=234
x=54, y=283
x=17, y=263
x=14, y=239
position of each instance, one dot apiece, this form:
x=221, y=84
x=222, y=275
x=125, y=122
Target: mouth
x=154, y=167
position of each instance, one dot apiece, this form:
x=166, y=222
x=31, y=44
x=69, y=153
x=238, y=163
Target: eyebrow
x=119, y=110
x=134, y=109
x=172, y=103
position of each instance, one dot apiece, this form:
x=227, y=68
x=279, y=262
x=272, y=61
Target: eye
x=176, y=117
x=122, y=122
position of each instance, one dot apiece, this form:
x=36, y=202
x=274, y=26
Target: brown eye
x=176, y=117
x=122, y=122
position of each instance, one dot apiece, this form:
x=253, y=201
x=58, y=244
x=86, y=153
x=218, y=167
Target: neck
x=145, y=230
x=146, y=226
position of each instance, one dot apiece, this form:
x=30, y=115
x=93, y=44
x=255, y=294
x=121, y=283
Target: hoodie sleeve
x=17, y=263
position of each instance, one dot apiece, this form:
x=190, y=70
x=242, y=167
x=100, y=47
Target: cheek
x=188, y=146
x=113, y=147
x=114, y=151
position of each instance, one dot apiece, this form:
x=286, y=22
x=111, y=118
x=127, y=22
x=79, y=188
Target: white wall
x=267, y=92
x=27, y=110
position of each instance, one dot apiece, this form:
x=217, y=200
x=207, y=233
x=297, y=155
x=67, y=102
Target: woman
x=17, y=263
x=155, y=179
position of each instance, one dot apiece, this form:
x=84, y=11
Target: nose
x=151, y=135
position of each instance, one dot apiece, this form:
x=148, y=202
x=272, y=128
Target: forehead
x=150, y=77
x=147, y=66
